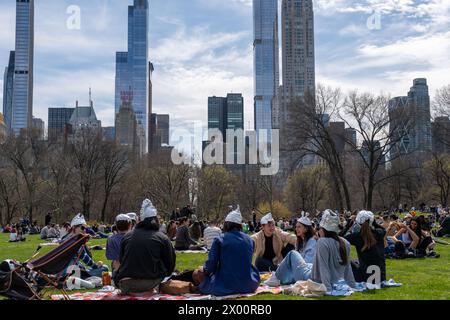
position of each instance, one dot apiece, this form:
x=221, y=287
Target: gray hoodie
x=327, y=268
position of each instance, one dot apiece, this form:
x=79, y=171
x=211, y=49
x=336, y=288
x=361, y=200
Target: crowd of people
x=142, y=248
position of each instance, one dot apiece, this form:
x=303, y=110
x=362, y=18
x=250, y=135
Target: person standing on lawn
x=271, y=245
x=229, y=269
x=146, y=255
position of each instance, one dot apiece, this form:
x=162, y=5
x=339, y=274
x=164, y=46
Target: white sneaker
x=272, y=281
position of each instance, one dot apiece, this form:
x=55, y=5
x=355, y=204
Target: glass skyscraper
x=132, y=67
x=58, y=119
x=22, y=102
x=8, y=85
x=266, y=61
x=226, y=113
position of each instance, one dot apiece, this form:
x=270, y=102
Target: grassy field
x=422, y=279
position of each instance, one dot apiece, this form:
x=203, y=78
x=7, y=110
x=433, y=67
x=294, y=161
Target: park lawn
x=422, y=279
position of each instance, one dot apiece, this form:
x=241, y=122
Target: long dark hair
x=342, y=248
x=231, y=226
x=310, y=232
x=418, y=229
x=149, y=224
x=367, y=236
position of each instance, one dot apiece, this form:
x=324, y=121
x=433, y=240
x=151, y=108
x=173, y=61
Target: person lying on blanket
x=368, y=238
x=123, y=225
x=290, y=270
x=229, y=269
x=271, y=244
x=146, y=255
x=83, y=258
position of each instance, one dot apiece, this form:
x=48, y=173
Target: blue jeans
x=98, y=272
x=264, y=265
x=293, y=268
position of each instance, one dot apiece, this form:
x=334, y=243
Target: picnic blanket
x=109, y=293
x=192, y=251
x=310, y=289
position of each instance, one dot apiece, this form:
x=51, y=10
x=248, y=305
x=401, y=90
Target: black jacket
x=373, y=256
x=183, y=239
x=146, y=254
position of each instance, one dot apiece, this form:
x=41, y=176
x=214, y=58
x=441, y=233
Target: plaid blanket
x=116, y=295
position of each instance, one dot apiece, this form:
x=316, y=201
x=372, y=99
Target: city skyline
x=214, y=54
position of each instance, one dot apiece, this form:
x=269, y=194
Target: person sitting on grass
x=444, y=230
x=426, y=244
x=229, y=269
x=123, y=225
x=134, y=219
x=368, y=238
x=211, y=233
x=183, y=241
x=146, y=255
x=17, y=235
x=271, y=245
x=297, y=265
x=332, y=259
x=83, y=258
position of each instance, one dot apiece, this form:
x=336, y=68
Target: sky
x=202, y=48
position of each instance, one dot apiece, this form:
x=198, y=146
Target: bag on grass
x=176, y=287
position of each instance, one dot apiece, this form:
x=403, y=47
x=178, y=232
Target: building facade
x=22, y=102
x=266, y=62
x=132, y=67
x=39, y=126
x=58, y=120
x=163, y=128
x=84, y=119
x=226, y=113
x=8, y=86
x=410, y=123
x=298, y=56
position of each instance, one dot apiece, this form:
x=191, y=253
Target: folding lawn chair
x=48, y=270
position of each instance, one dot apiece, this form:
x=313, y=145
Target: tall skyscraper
x=150, y=106
x=8, y=86
x=132, y=67
x=266, y=61
x=298, y=49
x=22, y=102
x=410, y=120
x=58, y=119
x=298, y=61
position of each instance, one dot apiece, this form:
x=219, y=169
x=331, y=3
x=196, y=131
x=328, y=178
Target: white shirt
x=210, y=234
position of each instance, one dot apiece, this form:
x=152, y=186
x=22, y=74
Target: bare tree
x=306, y=188
x=9, y=200
x=113, y=163
x=309, y=134
x=380, y=133
x=85, y=151
x=439, y=169
x=26, y=153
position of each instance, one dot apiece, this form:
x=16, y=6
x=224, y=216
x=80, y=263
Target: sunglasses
x=83, y=228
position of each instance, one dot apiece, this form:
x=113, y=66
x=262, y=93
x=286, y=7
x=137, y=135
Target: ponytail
x=342, y=247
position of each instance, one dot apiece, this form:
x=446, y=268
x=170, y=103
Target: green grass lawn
x=422, y=279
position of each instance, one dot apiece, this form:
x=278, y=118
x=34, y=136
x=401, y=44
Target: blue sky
x=204, y=47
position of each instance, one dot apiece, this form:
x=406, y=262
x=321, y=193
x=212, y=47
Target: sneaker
x=272, y=281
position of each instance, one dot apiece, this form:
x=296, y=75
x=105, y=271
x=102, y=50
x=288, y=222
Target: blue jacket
x=229, y=266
